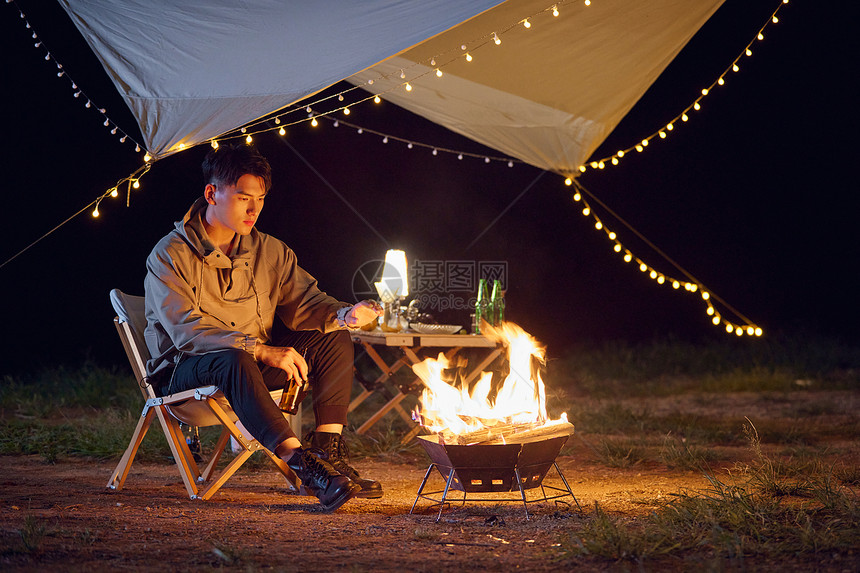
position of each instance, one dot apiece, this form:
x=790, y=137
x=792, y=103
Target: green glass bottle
x=482, y=305
x=497, y=303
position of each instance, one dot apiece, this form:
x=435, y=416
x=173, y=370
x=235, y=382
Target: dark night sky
x=754, y=196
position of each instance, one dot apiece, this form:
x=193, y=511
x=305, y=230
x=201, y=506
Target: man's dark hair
x=227, y=163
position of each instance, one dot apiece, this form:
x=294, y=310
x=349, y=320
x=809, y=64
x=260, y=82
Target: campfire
x=493, y=435
x=505, y=406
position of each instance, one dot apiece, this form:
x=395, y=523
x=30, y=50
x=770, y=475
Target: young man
x=213, y=287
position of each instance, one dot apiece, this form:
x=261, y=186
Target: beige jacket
x=201, y=300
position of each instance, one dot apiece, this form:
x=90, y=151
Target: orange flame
x=460, y=408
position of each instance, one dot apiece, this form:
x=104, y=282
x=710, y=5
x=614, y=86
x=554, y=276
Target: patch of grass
x=678, y=453
x=383, y=442
x=620, y=453
x=32, y=533
x=669, y=366
x=760, y=515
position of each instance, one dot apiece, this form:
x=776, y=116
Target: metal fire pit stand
x=470, y=478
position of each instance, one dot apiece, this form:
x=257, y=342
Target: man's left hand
x=362, y=313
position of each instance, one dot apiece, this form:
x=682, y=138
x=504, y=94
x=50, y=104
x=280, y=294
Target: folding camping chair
x=205, y=406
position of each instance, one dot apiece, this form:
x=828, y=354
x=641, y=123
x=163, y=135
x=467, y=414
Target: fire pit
x=494, y=435
x=484, y=468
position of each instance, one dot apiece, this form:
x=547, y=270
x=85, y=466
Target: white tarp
x=550, y=94
x=191, y=70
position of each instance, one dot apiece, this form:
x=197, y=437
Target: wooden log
x=491, y=433
x=544, y=432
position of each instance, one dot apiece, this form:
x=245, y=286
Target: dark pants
x=247, y=383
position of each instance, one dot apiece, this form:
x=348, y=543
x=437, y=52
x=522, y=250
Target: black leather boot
x=319, y=478
x=336, y=453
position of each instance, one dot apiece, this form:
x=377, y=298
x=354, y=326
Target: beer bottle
x=497, y=303
x=482, y=306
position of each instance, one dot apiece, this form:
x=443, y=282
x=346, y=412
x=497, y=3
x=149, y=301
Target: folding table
x=410, y=344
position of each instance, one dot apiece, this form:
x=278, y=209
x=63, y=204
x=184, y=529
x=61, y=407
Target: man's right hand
x=284, y=357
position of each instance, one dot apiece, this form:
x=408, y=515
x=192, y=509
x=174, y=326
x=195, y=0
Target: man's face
x=235, y=208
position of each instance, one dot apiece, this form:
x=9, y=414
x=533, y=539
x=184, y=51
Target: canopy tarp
x=548, y=95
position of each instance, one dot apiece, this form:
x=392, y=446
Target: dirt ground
x=253, y=523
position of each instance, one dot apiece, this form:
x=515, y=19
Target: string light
x=696, y=105
x=691, y=284
x=77, y=92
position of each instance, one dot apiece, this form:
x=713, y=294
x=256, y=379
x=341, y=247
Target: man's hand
x=284, y=357
x=362, y=313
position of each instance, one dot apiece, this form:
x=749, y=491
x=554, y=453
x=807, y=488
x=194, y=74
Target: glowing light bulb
x=339, y=97
x=735, y=68
x=696, y=106
x=402, y=74
x=644, y=143
x=739, y=331
x=115, y=193
x=377, y=99
x=568, y=181
x=704, y=91
x=582, y=168
x=662, y=135
x=598, y=225
x=676, y=284
x=617, y=247
x=670, y=127
x=643, y=267
x=432, y=61
x=468, y=57
x=710, y=311
x=385, y=139
x=758, y=331
x=277, y=121
x=653, y=274
x=729, y=328
x=409, y=145
x=435, y=152
x=314, y=122
x=336, y=123
x=147, y=157
x=577, y=197
x=774, y=19
x=706, y=295
x=555, y=11
x=693, y=288
x=527, y=24
x=243, y=130
x=438, y=73
x=760, y=37
x=136, y=184
x=628, y=257
x=661, y=279
x=96, y=212
x=620, y=154
x=346, y=111
x=750, y=330
x=593, y=165
x=684, y=117
x=639, y=148
x=588, y=2
x=601, y=165
x=496, y=39
x=611, y=235
x=460, y=156
x=586, y=211
x=716, y=320
x=249, y=139
x=748, y=52
x=408, y=87
x=282, y=131
x=614, y=161
x=721, y=81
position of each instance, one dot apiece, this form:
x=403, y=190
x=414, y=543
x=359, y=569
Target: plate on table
x=422, y=328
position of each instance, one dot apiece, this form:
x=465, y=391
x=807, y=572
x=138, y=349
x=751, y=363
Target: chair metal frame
x=197, y=407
